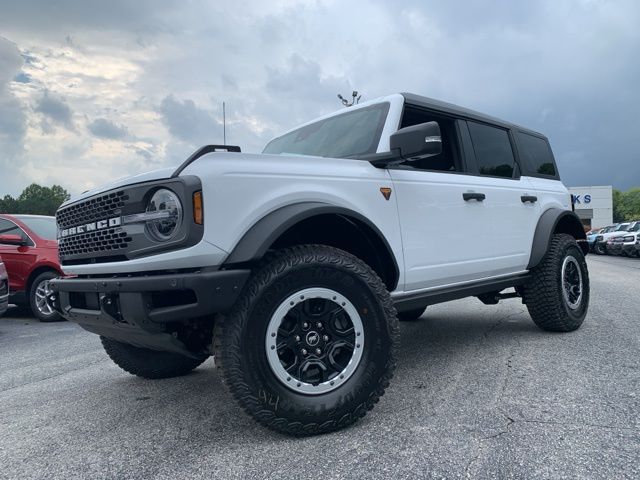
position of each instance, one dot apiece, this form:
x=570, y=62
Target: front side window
x=355, y=132
x=492, y=147
x=447, y=161
x=536, y=154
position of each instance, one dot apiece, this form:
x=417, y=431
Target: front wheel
x=557, y=296
x=310, y=345
x=411, y=315
x=150, y=364
x=600, y=249
x=38, y=301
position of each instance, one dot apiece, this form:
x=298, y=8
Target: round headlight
x=166, y=212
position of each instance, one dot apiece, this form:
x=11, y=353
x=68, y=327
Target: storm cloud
x=104, y=128
x=76, y=78
x=55, y=110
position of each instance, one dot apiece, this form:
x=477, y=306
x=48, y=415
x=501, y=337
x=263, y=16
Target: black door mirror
x=417, y=141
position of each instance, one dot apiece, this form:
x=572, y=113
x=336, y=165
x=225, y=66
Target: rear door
x=17, y=259
x=511, y=200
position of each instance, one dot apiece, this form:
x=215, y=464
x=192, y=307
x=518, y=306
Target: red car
x=29, y=250
x=4, y=289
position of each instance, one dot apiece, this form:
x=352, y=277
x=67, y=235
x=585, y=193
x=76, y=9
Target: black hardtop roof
x=457, y=111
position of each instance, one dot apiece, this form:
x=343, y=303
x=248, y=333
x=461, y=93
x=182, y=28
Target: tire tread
x=227, y=334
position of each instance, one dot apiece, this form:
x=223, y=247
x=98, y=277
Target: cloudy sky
x=95, y=90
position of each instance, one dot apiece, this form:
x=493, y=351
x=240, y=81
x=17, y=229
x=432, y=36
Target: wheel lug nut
x=325, y=338
x=305, y=325
x=319, y=324
x=304, y=351
x=297, y=338
x=318, y=351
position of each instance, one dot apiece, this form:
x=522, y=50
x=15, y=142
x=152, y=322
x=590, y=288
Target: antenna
x=354, y=101
x=224, y=124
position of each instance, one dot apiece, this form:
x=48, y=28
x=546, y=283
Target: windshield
x=635, y=227
x=44, y=227
x=355, y=132
x=622, y=227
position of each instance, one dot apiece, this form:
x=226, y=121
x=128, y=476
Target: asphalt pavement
x=480, y=392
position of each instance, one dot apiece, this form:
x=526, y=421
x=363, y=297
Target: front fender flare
x=257, y=240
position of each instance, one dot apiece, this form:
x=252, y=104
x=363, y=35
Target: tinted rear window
x=536, y=155
x=494, y=154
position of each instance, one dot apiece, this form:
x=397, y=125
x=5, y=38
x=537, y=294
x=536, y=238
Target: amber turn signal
x=386, y=192
x=197, y=208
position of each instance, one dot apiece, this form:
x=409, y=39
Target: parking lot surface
x=480, y=392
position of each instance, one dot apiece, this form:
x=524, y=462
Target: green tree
x=631, y=204
x=35, y=200
x=618, y=215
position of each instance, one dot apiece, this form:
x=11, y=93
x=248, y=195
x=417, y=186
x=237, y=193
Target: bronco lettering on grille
x=90, y=227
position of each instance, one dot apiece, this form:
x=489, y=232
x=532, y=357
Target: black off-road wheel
x=146, y=363
x=600, y=248
x=557, y=296
x=411, y=315
x=310, y=345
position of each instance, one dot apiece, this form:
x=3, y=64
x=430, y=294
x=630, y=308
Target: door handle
x=473, y=196
x=528, y=198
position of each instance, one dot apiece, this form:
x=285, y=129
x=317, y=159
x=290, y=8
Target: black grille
x=108, y=240
x=98, y=208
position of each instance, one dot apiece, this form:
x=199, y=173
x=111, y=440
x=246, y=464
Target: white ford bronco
x=293, y=267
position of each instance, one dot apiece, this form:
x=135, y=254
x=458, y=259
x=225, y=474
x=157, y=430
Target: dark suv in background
x=29, y=250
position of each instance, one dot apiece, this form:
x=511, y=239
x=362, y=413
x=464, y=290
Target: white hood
x=143, y=177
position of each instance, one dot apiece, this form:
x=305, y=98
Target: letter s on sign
x=587, y=199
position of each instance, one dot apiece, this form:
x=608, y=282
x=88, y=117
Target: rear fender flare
x=553, y=221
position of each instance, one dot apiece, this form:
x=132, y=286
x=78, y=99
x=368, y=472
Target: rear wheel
x=146, y=363
x=38, y=301
x=310, y=345
x=557, y=296
x=411, y=315
x=600, y=249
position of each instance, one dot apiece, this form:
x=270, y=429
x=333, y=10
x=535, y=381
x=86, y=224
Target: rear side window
x=536, y=155
x=494, y=154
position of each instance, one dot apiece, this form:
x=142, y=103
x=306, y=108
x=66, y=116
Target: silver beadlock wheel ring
x=571, y=282
x=314, y=341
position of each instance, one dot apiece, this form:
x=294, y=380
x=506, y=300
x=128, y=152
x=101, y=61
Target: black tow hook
x=110, y=306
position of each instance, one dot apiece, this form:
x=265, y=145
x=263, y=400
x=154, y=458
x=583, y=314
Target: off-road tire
x=600, y=249
x=240, y=351
x=150, y=364
x=543, y=294
x=42, y=316
x=411, y=315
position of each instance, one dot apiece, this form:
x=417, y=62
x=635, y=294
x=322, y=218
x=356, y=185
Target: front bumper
x=137, y=309
x=150, y=298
